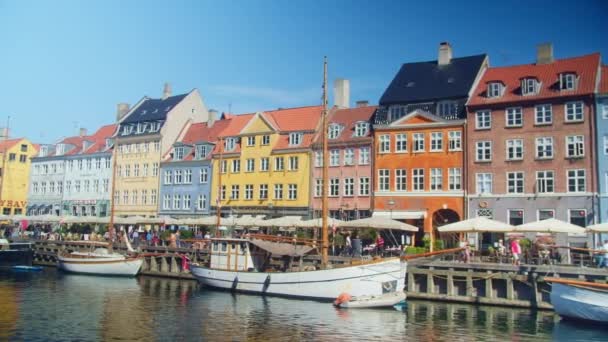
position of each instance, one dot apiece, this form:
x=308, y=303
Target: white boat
x=232, y=267
x=99, y=262
x=579, y=299
x=369, y=302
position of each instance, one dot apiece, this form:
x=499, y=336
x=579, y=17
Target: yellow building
x=146, y=133
x=16, y=157
x=265, y=163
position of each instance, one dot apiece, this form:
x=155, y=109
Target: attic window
x=140, y=127
x=179, y=153
x=155, y=110
x=410, y=84
x=229, y=144
x=127, y=129
x=334, y=131
x=144, y=112
x=567, y=81
x=361, y=129
x=451, y=80
x=295, y=138
x=168, y=108
x=529, y=86
x=495, y=89
x=201, y=151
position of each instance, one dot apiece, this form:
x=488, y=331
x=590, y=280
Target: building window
x=187, y=176
x=436, y=141
x=529, y=86
x=383, y=180
x=265, y=140
x=333, y=131
x=250, y=165
x=135, y=170
x=483, y=119
x=153, y=197
x=293, y=163
x=436, y=179
x=295, y=138
x=334, y=157
x=168, y=177
x=401, y=143
x=187, y=202
x=578, y=217
x=155, y=169
x=514, y=117
x=229, y=144
x=176, y=201
x=447, y=109
x=577, y=181
x=22, y=158
x=349, y=156
x=251, y=141
x=495, y=89
x=543, y=114
x=364, y=156
x=516, y=217
x=125, y=197
x=418, y=179
x=166, y=202
x=293, y=191
x=145, y=170
x=318, y=158
x=204, y=175
x=567, y=81
x=363, y=186
x=515, y=149
x=318, y=187
x=179, y=179
x=455, y=178
x=234, y=194
x=605, y=144
x=96, y=185
x=544, y=148
x=544, y=214
x=418, y=142
x=515, y=182
x=349, y=186
x=179, y=153
x=279, y=164
x=605, y=111
x=278, y=191
x=575, y=146
x=361, y=129
x=264, y=164
x=385, y=144
x=574, y=111
x=334, y=187
x=263, y=191
x=401, y=180
x=223, y=192
x=236, y=165
x=106, y=185
x=248, y=191
x=483, y=151
x=202, y=202
x=483, y=183
x=223, y=166
x=545, y=181
x=455, y=140
x=144, y=197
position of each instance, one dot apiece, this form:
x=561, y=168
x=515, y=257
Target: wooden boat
x=20, y=268
x=369, y=302
x=100, y=261
x=14, y=254
x=579, y=299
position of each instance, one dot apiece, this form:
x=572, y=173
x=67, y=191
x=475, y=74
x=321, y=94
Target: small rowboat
x=582, y=300
x=364, y=302
x=24, y=268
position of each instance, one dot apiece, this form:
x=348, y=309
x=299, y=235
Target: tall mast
x=8, y=119
x=112, y=194
x=219, y=191
x=325, y=183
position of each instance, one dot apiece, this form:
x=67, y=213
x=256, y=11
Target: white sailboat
x=99, y=261
x=242, y=264
x=581, y=300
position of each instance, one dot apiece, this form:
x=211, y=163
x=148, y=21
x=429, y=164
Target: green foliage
x=165, y=235
x=415, y=250
x=186, y=234
x=525, y=243
x=80, y=228
x=368, y=234
x=438, y=245
x=491, y=250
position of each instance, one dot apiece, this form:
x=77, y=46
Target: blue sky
x=66, y=64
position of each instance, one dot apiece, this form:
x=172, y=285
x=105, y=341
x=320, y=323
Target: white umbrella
x=477, y=224
x=598, y=228
x=318, y=222
x=379, y=223
x=285, y=221
x=550, y=226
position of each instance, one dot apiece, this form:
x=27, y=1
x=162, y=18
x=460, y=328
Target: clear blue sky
x=65, y=64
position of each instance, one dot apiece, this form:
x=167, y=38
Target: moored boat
x=14, y=254
x=100, y=261
x=387, y=300
x=579, y=299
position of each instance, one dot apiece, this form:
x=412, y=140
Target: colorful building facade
x=16, y=157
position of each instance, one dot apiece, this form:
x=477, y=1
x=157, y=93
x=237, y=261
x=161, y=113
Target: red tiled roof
x=295, y=119
x=348, y=118
x=585, y=67
x=7, y=144
x=283, y=142
x=604, y=80
x=99, y=138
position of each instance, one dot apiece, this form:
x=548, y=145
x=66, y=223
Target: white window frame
x=514, y=146
x=567, y=81
x=361, y=129
x=436, y=179
x=418, y=143
x=485, y=145
x=295, y=138
x=483, y=179
x=349, y=156
x=514, y=117
x=264, y=164
x=384, y=180
x=401, y=143
x=538, y=211
x=483, y=119
x=334, y=157
x=577, y=179
x=571, y=109
x=248, y=192
x=494, y=89
x=545, y=181
x=400, y=179
x=578, y=146
x=418, y=179
x=454, y=141
x=348, y=187
x=519, y=183
x=454, y=179
x=384, y=143
x=541, y=151
x=364, y=155
x=436, y=141
x=363, y=186
x=543, y=114
x=251, y=140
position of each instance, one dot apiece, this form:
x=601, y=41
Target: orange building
x=419, y=170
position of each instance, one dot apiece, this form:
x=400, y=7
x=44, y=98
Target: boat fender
x=266, y=284
x=235, y=283
x=342, y=298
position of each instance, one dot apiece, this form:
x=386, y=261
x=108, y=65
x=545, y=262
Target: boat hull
x=370, y=279
x=107, y=266
x=16, y=257
x=368, y=302
x=577, y=302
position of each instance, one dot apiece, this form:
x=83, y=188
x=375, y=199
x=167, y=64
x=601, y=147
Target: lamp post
x=391, y=204
x=270, y=207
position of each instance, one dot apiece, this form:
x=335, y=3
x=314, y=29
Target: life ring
x=483, y=204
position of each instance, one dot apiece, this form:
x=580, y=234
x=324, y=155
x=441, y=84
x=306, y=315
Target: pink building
x=350, y=164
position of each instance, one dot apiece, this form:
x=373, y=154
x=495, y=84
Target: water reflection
x=55, y=306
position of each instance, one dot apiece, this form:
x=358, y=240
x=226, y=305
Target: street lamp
x=391, y=204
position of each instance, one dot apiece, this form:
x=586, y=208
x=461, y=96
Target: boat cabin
x=231, y=255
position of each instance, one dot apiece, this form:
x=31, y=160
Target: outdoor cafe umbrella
x=550, y=226
x=477, y=224
x=285, y=221
x=318, y=222
x=598, y=228
x=378, y=223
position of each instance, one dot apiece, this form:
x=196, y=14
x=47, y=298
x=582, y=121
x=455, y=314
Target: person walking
x=515, y=251
x=349, y=245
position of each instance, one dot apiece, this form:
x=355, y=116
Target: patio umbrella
x=477, y=224
x=550, y=226
x=598, y=228
x=285, y=221
x=318, y=222
x=378, y=223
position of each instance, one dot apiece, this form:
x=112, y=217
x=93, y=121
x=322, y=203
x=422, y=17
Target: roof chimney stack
x=121, y=110
x=212, y=117
x=167, y=91
x=4, y=131
x=445, y=53
x=342, y=93
x=82, y=132
x=362, y=103
x=544, y=53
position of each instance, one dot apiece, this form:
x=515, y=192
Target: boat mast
x=111, y=230
x=219, y=191
x=324, y=211
x=8, y=119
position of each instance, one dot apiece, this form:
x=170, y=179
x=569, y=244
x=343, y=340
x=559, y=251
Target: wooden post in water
x=324, y=209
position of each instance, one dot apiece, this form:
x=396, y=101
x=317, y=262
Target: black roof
x=153, y=109
x=424, y=81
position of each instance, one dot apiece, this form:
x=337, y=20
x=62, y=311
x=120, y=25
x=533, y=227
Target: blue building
x=602, y=144
x=185, y=179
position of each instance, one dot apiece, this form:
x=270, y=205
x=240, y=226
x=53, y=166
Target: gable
x=418, y=117
x=257, y=124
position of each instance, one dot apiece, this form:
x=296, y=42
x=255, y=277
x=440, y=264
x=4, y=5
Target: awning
x=280, y=248
x=400, y=214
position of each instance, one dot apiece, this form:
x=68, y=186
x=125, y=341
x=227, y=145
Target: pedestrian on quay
x=173, y=240
x=349, y=245
x=149, y=238
x=380, y=244
x=135, y=238
x=515, y=251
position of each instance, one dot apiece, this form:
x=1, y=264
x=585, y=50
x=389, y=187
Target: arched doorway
x=442, y=217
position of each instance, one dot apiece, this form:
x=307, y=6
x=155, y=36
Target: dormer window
x=179, y=153
x=60, y=149
x=109, y=143
x=529, y=86
x=127, y=129
x=448, y=109
x=44, y=151
x=567, y=81
x=140, y=127
x=201, y=151
x=229, y=144
x=495, y=89
x=361, y=129
x=333, y=131
x=295, y=138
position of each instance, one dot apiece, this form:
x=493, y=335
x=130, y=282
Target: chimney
x=544, y=53
x=212, y=117
x=362, y=103
x=166, y=91
x=342, y=93
x=82, y=132
x=445, y=53
x=4, y=131
x=121, y=110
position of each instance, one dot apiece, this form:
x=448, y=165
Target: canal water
x=52, y=306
